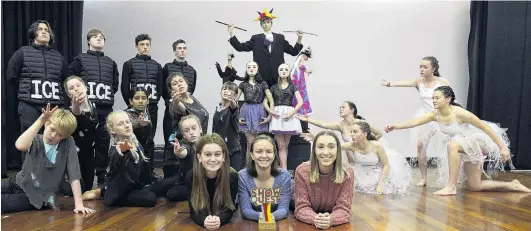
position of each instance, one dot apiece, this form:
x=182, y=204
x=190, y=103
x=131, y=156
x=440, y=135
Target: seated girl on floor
x=128, y=182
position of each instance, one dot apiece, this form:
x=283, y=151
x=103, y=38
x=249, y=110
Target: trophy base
x=264, y=225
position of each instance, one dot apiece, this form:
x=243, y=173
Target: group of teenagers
x=207, y=169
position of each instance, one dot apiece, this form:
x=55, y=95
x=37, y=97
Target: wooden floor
x=419, y=210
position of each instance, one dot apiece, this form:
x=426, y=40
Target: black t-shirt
x=225, y=124
x=253, y=93
x=186, y=163
x=283, y=96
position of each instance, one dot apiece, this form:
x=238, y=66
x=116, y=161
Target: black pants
x=170, y=169
x=84, y=137
x=14, y=199
x=170, y=163
x=101, y=143
x=304, y=126
x=236, y=160
x=149, y=148
x=177, y=193
x=167, y=127
x=28, y=114
x=135, y=195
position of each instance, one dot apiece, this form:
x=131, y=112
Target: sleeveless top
x=426, y=94
x=452, y=129
x=369, y=159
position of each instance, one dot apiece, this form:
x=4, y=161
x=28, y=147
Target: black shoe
x=101, y=178
x=292, y=173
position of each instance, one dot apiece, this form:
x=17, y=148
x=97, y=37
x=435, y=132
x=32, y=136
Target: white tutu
x=367, y=171
x=291, y=126
x=431, y=137
x=345, y=153
x=478, y=148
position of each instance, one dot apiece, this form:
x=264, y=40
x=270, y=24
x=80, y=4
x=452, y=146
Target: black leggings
x=304, y=126
x=136, y=195
x=149, y=148
x=101, y=144
x=14, y=199
x=177, y=193
x=84, y=138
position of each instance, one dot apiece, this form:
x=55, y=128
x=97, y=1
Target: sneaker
x=156, y=177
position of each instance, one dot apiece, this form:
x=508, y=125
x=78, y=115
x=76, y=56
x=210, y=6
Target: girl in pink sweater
x=323, y=189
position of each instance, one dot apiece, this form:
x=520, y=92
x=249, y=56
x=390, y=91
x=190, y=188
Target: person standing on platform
x=298, y=78
x=268, y=48
x=101, y=75
x=143, y=71
x=180, y=65
x=284, y=124
x=38, y=71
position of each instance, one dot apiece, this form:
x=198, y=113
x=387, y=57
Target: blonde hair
x=65, y=83
x=64, y=121
x=340, y=174
x=187, y=118
x=137, y=154
x=222, y=199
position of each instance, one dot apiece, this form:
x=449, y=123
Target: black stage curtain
x=66, y=20
x=499, y=57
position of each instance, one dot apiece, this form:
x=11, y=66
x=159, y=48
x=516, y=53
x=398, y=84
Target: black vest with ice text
x=41, y=76
x=98, y=72
x=145, y=74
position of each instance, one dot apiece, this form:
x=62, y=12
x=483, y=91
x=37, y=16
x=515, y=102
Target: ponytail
x=366, y=128
x=434, y=64
x=436, y=73
x=353, y=107
x=455, y=104
x=370, y=136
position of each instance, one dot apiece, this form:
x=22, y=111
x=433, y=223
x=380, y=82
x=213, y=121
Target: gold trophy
x=266, y=197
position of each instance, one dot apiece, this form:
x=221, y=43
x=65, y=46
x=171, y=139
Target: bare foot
x=91, y=195
x=422, y=183
x=446, y=191
x=519, y=187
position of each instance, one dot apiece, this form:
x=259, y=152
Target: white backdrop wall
x=359, y=43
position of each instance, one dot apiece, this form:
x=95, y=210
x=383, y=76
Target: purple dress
x=252, y=111
x=299, y=80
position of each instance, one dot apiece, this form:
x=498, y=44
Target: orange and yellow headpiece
x=265, y=15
